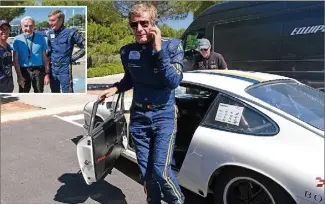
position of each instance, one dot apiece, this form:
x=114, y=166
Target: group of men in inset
x=37, y=61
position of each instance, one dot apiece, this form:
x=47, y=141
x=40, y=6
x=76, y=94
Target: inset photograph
x=43, y=49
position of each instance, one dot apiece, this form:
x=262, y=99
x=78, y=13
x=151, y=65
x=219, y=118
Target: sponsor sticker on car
x=229, y=114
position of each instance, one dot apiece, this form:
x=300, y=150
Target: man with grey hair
x=154, y=69
x=208, y=59
x=30, y=58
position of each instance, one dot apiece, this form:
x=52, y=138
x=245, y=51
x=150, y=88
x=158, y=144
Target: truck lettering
x=307, y=30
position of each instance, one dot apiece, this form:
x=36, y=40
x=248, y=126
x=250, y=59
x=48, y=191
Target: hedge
x=104, y=70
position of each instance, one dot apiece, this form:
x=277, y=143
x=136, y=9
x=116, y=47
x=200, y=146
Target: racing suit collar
x=58, y=31
x=145, y=46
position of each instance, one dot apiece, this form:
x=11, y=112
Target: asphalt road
x=39, y=165
x=78, y=74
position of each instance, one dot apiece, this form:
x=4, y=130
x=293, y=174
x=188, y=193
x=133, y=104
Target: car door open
x=99, y=149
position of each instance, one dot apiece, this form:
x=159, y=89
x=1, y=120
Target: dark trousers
x=61, y=79
x=34, y=76
x=6, y=85
x=153, y=133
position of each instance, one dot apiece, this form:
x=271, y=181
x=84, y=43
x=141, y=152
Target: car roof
x=234, y=81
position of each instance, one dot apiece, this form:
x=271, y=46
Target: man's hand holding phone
x=156, y=35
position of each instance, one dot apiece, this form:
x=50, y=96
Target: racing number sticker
x=229, y=114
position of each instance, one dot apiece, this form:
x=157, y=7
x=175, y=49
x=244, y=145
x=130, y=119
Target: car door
x=230, y=128
x=99, y=149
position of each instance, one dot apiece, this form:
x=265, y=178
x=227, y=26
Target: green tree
x=10, y=13
x=169, y=9
x=192, y=42
x=101, y=12
x=76, y=20
x=43, y=24
x=18, y=3
x=167, y=31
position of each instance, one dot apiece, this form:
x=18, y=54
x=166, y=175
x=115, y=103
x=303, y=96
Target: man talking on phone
x=153, y=68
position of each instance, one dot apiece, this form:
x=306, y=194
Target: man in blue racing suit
x=61, y=41
x=153, y=68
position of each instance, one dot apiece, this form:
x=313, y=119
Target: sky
x=178, y=24
x=40, y=14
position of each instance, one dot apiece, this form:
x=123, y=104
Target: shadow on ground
x=75, y=190
x=131, y=170
x=7, y=98
x=125, y=166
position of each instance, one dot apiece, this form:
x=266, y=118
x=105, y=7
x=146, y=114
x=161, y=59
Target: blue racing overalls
x=153, y=119
x=61, y=44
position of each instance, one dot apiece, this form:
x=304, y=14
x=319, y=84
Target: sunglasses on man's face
x=205, y=50
x=144, y=24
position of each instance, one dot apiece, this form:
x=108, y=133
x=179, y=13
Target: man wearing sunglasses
x=153, y=68
x=208, y=59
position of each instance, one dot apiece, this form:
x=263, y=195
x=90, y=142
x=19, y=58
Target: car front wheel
x=247, y=187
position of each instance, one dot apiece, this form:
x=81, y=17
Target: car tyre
x=229, y=185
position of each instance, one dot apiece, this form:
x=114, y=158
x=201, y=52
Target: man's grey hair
x=27, y=18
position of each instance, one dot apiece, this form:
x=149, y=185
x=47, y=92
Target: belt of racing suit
x=147, y=106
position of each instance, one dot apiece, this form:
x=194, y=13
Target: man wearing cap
x=30, y=57
x=6, y=81
x=208, y=59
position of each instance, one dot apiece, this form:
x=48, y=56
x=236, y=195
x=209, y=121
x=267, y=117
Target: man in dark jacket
x=208, y=59
x=153, y=68
x=61, y=41
x=6, y=81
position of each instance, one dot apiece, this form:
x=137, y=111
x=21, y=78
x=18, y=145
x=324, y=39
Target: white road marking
x=74, y=117
x=70, y=119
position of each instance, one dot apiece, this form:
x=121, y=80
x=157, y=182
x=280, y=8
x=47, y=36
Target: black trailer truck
x=280, y=37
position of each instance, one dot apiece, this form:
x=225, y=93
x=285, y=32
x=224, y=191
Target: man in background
x=208, y=59
x=6, y=81
x=61, y=41
x=30, y=58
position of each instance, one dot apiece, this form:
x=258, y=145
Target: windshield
x=298, y=100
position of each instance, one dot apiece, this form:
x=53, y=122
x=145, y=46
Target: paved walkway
x=24, y=106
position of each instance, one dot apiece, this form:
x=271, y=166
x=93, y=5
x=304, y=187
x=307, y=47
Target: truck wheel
x=245, y=186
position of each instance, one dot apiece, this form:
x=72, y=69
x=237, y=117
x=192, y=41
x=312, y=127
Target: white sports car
x=246, y=137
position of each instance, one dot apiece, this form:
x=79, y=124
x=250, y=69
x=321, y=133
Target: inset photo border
x=40, y=54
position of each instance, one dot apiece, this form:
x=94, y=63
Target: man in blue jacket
x=153, y=68
x=61, y=41
x=30, y=58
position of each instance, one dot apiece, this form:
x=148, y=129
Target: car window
x=191, y=46
x=113, y=102
x=298, y=100
x=192, y=42
x=194, y=92
x=231, y=115
x=117, y=102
